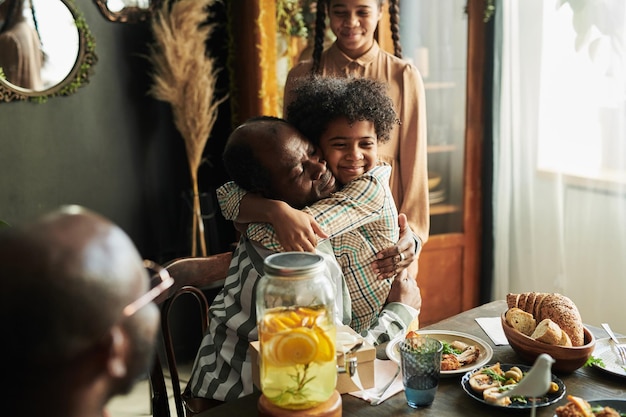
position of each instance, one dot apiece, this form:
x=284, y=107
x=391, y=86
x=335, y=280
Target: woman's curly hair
x=320, y=100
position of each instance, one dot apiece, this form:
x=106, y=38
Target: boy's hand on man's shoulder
x=395, y=259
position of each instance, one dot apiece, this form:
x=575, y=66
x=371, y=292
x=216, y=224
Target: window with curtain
x=560, y=153
x=581, y=99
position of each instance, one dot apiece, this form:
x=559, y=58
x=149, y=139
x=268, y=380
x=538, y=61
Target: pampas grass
x=185, y=76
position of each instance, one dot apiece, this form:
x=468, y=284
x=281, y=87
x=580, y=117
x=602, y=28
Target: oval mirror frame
x=129, y=14
x=76, y=78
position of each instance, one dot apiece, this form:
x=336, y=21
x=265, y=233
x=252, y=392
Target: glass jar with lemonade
x=295, y=313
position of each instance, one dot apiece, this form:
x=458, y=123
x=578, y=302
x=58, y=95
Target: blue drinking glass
x=420, y=358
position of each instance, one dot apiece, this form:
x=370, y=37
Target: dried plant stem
x=197, y=227
x=186, y=77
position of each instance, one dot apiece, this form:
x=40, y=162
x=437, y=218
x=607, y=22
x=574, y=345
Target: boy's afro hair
x=321, y=99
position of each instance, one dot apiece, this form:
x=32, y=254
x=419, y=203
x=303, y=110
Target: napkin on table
x=493, y=327
x=384, y=371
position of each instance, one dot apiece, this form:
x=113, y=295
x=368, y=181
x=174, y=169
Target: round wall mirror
x=66, y=51
x=127, y=11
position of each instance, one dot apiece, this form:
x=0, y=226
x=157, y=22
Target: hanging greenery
x=290, y=18
x=185, y=76
x=490, y=10
x=295, y=17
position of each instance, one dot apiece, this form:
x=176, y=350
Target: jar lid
x=289, y=264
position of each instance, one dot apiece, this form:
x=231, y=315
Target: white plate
x=605, y=350
x=449, y=336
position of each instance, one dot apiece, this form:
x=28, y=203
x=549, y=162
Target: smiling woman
x=65, y=51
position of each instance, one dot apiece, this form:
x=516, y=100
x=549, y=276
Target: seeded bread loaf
x=556, y=307
x=563, y=312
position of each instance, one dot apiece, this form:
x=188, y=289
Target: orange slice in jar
x=309, y=315
x=325, y=346
x=270, y=323
x=298, y=346
x=292, y=319
x=278, y=322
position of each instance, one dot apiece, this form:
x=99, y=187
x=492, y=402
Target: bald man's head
x=268, y=156
x=66, y=278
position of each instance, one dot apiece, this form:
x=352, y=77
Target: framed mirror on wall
x=127, y=11
x=60, y=52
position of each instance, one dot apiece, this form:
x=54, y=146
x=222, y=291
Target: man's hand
x=404, y=290
x=395, y=259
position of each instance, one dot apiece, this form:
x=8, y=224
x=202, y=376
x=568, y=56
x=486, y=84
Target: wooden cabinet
x=446, y=41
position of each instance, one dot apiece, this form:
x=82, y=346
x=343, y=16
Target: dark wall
x=109, y=147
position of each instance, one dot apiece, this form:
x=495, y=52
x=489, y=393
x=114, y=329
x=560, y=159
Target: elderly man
x=77, y=327
x=222, y=370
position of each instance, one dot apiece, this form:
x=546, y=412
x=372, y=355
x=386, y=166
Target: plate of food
x=605, y=358
x=484, y=383
x=578, y=406
x=462, y=352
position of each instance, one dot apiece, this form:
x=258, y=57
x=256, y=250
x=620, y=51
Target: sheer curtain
x=560, y=153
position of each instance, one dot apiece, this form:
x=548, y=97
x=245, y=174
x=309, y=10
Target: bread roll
x=556, y=307
x=548, y=332
x=520, y=320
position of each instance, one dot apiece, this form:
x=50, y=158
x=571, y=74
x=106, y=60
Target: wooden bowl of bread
x=537, y=323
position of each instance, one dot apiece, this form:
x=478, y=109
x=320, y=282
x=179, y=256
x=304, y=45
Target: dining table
x=587, y=382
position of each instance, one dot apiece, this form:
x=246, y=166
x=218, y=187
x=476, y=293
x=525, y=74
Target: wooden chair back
x=191, y=276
